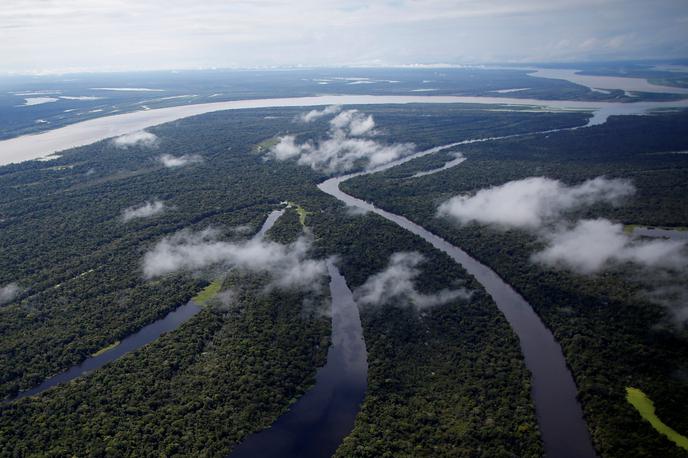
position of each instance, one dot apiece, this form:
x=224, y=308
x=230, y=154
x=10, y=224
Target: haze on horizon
x=60, y=36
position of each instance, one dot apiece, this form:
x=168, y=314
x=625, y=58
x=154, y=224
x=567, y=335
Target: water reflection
x=316, y=424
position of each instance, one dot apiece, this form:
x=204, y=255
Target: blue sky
x=105, y=35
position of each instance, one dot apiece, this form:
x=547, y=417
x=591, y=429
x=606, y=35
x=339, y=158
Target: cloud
x=226, y=299
x=31, y=101
x=674, y=298
x=171, y=161
x=592, y=245
x=9, y=292
x=355, y=122
x=396, y=283
x=532, y=202
x=317, y=114
x=146, y=210
x=353, y=210
x=140, y=138
x=288, y=265
x=343, y=149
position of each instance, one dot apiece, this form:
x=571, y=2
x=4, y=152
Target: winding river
x=143, y=336
x=560, y=416
x=329, y=408
x=35, y=146
x=316, y=424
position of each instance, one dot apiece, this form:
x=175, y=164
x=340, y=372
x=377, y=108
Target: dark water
x=269, y=222
x=560, y=417
x=143, y=336
x=316, y=424
x=673, y=234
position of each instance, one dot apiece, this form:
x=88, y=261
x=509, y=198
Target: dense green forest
x=78, y=265
x=612, y=335
x=445, y=381
x=61, y=221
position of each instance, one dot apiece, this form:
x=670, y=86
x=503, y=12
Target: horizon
x=77, y=36
x=577, y=65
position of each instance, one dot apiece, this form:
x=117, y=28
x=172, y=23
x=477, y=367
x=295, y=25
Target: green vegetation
x=106, y=348
x=448, y=381
x=612, y=335
x=199, y=390
x=629, y=228
x=264, y=146
x=208, y=293
x=646, y=408
x=301, y=212
x=73, y=217
x=453, y=374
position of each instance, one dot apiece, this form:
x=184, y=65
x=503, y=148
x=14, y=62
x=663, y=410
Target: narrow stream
x=143, y=336
x=659, y=232
x=560, y=416
x=316, y=424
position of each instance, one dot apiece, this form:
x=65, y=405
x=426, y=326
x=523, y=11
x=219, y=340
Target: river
x=316, y=424
x=660, y=232
x=560, y=416
x=143, y=336
x=562, y=426
x=35, y=146
x=601, y=83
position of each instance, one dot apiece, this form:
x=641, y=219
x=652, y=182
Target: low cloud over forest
x=396, y=283
x=347, y=145
x=145, y=210
x=289, y=265
x=140, y=138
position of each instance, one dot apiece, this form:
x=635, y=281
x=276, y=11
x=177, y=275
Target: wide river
x=34, y=146
x=605, y=84
x=560, y=417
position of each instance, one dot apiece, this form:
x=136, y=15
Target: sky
x=38, y=36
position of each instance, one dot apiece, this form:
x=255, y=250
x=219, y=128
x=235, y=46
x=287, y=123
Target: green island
x=301, y=212
x=646, y=408
x=106, y=348
x=208, y=293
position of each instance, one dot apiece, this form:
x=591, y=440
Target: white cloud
x=9, y=292
x=532, y=202
x=317, y=114
x=31, y=101
x=171, y=161
x=592, y=245
x=674, y=298
x=146, y=210
x=343, y=149
x=396, y=283
x=288, y=265
x=80, y=97
x=354, y=122
x=139, y=138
